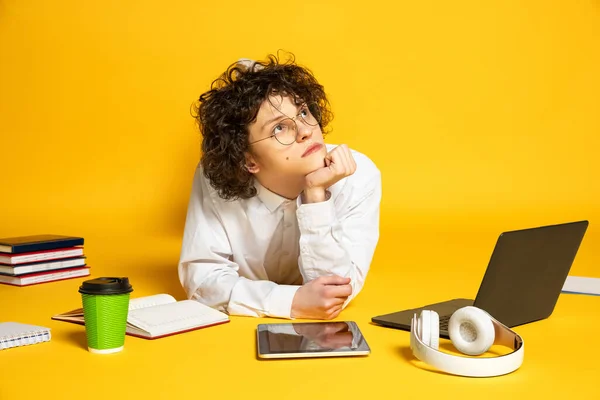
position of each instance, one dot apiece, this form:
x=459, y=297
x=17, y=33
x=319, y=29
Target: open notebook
x=160, y=315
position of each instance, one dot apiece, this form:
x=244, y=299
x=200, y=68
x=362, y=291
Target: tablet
x=310, y=339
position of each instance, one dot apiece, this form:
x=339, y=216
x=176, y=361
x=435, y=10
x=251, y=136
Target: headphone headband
x=467, y=366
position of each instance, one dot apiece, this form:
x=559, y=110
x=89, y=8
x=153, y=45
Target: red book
x=45, y=255
x=40, y=266
x=43, y=277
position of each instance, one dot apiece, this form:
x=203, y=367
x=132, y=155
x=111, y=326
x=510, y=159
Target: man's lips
x=312, y=148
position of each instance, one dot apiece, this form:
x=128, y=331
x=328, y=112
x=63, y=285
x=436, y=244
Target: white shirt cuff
x=280, y=301
x=315, y=215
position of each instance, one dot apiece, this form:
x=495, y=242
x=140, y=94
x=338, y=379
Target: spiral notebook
x=15, y=334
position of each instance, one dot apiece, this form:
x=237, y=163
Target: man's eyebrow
x=273, y=120
x=298, y=107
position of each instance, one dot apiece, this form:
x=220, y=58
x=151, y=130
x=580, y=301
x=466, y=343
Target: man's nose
x=304, y=131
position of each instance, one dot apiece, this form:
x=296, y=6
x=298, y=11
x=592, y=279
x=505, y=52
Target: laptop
x=522, y=282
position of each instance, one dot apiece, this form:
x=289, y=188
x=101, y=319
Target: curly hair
x=225, y=111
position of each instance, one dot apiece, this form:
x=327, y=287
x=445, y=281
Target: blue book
x=23, y=244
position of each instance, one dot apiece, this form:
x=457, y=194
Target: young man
x=279, y=224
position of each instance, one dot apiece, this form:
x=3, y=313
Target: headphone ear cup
x=435, y=330
x=471, y=330
x=424, y=327
x=429, y=322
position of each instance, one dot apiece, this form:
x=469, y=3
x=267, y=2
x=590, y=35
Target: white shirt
x=248, y=257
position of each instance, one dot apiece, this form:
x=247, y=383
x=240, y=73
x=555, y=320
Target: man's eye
x=304, y=112
x=277, y=129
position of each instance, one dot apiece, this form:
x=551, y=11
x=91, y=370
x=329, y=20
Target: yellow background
x=482, y=116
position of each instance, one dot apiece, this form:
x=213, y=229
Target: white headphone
x=472, y=331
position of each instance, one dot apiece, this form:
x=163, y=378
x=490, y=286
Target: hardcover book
x=24, y=244
x=44, y=276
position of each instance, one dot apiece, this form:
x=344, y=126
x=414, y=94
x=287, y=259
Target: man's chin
x=315, y=162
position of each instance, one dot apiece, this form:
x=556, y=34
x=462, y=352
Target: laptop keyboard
x=444, y=322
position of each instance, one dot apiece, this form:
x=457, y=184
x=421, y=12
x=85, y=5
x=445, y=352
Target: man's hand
x=338, y=164
x=321, y=298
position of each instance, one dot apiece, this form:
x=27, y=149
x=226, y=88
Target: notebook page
x=150, y=301
x=14, y=334
x=134, y=304
x=175, y=317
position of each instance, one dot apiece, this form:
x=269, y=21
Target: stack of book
x=29, y=260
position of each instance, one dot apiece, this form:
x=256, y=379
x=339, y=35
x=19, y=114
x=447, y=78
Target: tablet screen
x=311, y=339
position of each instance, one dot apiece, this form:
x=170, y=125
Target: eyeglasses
x=286, y=130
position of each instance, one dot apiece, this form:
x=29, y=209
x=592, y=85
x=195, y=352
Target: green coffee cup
x=105, y=310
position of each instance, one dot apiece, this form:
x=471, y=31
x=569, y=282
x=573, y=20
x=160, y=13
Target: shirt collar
x=271, y=200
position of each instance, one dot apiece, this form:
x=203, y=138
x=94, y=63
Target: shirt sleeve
x=341, y=239
x=207, y=272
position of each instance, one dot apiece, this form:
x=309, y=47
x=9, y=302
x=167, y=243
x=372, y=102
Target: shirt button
x=304, y=250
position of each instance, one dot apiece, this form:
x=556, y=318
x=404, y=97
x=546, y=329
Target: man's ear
x=251, y=164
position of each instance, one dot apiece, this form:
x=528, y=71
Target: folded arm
x=208, y=274
x=341, y=243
